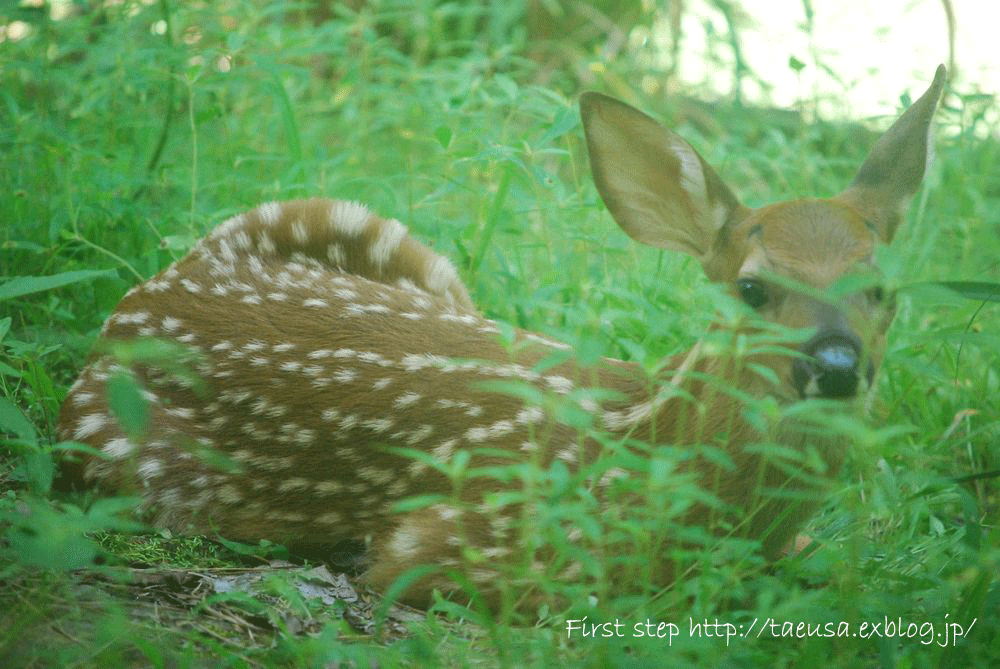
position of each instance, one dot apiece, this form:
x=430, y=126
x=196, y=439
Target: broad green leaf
x=12, y=420
x=128, y=404
x=25, y=285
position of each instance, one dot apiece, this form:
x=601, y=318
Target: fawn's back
x=323, y=365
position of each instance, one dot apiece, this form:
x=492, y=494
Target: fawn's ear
x=656, y=186
x=885, y=183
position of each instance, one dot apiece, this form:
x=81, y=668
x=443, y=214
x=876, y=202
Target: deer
x=323, y=366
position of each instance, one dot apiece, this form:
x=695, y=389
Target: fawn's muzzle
x=830, y=366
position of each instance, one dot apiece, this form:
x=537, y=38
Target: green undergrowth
x=130, y=130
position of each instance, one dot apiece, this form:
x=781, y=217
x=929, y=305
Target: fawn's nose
x=830, y=366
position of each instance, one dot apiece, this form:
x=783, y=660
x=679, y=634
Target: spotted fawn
x=322, y=365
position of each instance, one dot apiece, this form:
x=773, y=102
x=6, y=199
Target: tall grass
x=132, y=129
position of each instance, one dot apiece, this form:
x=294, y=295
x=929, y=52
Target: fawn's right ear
x=656, y=186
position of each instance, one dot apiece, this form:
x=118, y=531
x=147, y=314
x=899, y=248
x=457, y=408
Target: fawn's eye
x=753, y=292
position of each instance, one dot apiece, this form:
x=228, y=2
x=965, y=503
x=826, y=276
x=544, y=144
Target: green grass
x=124, y=144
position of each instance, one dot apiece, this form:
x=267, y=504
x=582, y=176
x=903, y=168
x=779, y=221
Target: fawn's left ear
x=656, y=186
x=888, y=179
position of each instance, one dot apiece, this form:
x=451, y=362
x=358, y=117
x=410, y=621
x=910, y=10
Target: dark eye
x=753, y=292
x=876, y=294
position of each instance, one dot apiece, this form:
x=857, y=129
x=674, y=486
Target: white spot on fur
x=265, y=244
x=440, y=275
x=345, y=375
x=349, y=218
x=118, y=448
x=400, y=486
x=335, y=254
x=136, y=318
x=149, y=469
x=570, y=454
x=408, y=285
x=294, y=483
x=329, y=487
x=559, y=384
x=483, y=575
x=405, y=543
x=256, y=266
x=348, y=422
x=445, y=450
x=529, y=416
x=362, y=309
x=376, y=475
x=269, y=213
x=299, y=233
x=378, y=424
x=618, y=420
x=390, y=236
x=241, y=240
x=471, y=410
x=374, y=358
x=465, y=319
x=225, y=228
x=418, y=435
x=415, y=362
x=447, y=512
x=405, y=400
x=90, y=424
x=613, y=474
x=80, y=398
x=498, y=429
x=171, y=498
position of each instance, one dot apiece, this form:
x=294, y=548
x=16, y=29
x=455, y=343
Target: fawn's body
x=325, y=341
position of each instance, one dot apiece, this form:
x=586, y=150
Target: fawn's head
x=783, y=260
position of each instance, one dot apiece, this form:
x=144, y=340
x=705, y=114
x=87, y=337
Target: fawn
x=318, y=346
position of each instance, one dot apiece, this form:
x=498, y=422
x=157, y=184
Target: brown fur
x=320, y=335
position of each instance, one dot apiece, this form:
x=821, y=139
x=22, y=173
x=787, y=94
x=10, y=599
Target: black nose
x=830, y=368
